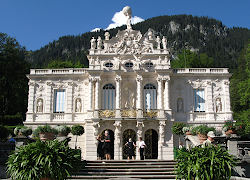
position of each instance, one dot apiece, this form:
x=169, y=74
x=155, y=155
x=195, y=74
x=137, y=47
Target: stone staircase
x=147, y=169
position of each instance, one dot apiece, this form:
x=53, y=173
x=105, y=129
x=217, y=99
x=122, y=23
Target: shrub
x=202, y=129
x=51, y=159
x=177, y=128
x=77, y=130
x=229, y=125
x=63, y=130
x=23, y=130
x=4, y=133
x=187, y=129
x=44, y=129
x=210, y=162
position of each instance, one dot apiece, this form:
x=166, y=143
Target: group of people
x=131, y=148
x=104, y=147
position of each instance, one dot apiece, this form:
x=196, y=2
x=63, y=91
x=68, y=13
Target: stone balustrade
x=201, y=70
x=58, y=71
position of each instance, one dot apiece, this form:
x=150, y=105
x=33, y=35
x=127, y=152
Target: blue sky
x=35, y=23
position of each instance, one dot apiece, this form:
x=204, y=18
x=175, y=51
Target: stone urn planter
x=47, y=136
x=202, y=137
x=230, y=131
x=188, y=133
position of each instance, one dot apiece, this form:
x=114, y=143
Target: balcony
x=107, y=113
x=150, y=113
x=131, y=113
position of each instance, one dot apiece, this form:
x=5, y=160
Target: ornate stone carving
x=226, y=83
x=139, y=126
x=129, y=102
x=158, y=40
x=164, y=42
x=107, y=35
x=93, y=43
x=39, y=107
x=128, y=13
x=107, y=113
x=179, y=105
x=96, y=126
x=99, y=43
x=218, y=104
x=78, y=105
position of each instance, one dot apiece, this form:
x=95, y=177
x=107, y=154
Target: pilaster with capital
x=210, y=101
x=227, y=103
x=162, y=125
x=69, y=97
x=139, y=126
x=118, y=96
x=166, y=95
x=31, y=97
x=159, y=100
x=139, y=97
x=90, y=108
x=97, y=93
x=117, y=143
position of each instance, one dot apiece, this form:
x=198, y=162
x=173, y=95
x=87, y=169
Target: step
x=130, y=167
x=125, y=173
x=125, y=177
x=132, y=164
x=127, y=170
x=128, y=161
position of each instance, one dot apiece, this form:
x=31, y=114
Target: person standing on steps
x=142, y=146
x=99, y=148
x=107, y=146
x=130, y=145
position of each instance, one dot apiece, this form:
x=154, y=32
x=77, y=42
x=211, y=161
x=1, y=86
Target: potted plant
x=22, y=131
x=43, y=160
x=187, y=130
x=62, y=131
x=229, y=127
x=77, y=130
x=45, y=132
x=202, y=131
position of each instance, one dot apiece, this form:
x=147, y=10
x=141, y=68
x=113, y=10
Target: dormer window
x=109, y=65
x=129, y=65
x=149, y=65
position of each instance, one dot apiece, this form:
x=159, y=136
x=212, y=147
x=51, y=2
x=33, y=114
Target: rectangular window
x=59, y=100
x=199, y=100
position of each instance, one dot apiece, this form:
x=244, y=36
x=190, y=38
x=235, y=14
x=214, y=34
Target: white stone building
x=131, y=90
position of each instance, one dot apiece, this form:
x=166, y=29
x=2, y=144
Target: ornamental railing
x=128, y=113
x=107, y=113
x=150, y=113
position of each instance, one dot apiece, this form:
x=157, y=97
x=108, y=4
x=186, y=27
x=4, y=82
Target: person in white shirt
x=142, y=146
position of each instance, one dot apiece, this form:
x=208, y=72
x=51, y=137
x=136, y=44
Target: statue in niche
x=78, y=105
x=130, y=99
x=150, y=35
x=179, y=105
x=218, y=105
x=128, y=13
x=92, y=43
x=40, y=105
x=164, y=42
x=107, y=35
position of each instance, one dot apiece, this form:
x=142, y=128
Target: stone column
x=117, y=143
x=31, y=102
x=139, y=126
x=210, y=111
x=97, y=87
x=167, y=109
x=90, y=107
x=159, y=98
x=118, y=97
x=139, y=96
x=162, y=125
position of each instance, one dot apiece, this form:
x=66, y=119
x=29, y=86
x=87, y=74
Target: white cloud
x=95, y=30
x=120, y=19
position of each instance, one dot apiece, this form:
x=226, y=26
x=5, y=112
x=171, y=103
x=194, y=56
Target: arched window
x=108, y=100
x=150, y=99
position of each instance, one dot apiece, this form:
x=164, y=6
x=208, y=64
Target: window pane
x=59, y=100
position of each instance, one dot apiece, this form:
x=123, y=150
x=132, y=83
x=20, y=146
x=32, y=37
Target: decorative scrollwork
x=128, y=113
x=150, y=113
x=107, y=113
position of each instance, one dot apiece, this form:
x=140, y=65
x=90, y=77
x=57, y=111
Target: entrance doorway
x=111, y=133
x=129, y=133
x=151, y=140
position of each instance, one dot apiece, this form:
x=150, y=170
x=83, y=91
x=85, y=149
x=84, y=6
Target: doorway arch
x=111, y=133
x=151, y=140
x=128, y=133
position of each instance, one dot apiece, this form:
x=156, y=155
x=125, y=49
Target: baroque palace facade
x=131, y=90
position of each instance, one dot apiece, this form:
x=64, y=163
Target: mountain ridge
x=199, y=34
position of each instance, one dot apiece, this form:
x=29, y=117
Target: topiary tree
x=77, y=130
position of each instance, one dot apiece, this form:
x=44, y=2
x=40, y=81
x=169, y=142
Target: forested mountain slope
x=199, y=34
